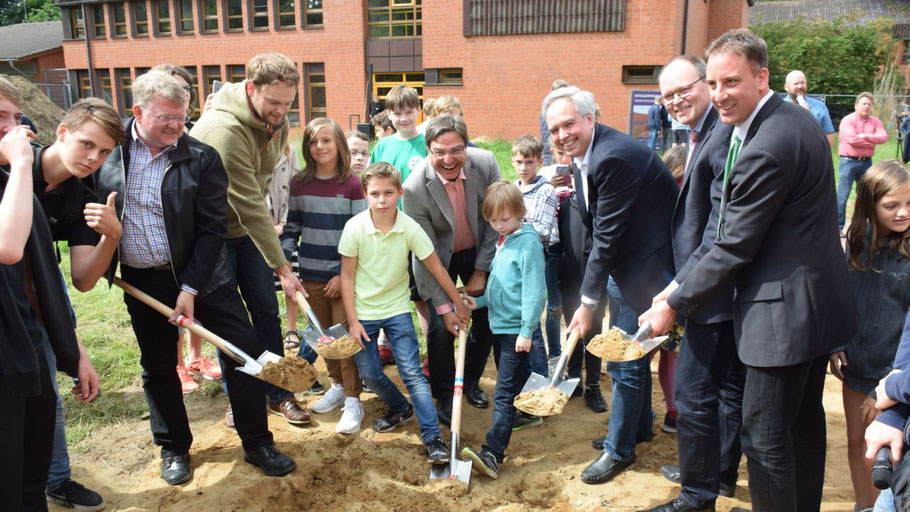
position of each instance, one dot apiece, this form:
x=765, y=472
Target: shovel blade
x=439, y=471
x=336, y=331
x=536, y=381
x=568, y=386
x=461, y=471
x=251, y=368
x=268, y=357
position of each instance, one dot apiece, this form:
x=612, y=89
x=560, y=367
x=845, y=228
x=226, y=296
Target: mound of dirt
x=39, y=108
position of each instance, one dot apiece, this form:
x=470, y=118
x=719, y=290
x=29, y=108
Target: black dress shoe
x=671, y=473
x=680, y=505
x=175, y=469
x=598, y=443
x=594, y=399
x=476, y=397
x=605, y=468
x=444, y=411
x=270, y=460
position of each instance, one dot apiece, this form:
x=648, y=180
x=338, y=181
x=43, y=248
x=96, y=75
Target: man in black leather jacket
x=171, y=199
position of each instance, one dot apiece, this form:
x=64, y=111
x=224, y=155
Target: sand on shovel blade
x=291, y=373
x=341, y=348
x=613, y=346
x=542, y=402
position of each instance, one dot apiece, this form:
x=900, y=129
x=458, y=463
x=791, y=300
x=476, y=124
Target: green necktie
x=735, y=144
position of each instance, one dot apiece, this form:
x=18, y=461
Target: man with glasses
x=709, y=375
x=443, y=194
x=171, y=197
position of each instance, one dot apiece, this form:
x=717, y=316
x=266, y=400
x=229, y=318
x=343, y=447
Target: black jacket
x=194, y=202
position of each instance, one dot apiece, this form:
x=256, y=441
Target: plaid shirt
x=540, y=203
x=144, y=240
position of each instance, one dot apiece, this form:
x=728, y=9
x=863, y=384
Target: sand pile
x=291, y=373
x=613, y=346
x=542, y=402
x=39, y=108
x=341, y=348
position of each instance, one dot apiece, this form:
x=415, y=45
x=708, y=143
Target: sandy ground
x=371, y=471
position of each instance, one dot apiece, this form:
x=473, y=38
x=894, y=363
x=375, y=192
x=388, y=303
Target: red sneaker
x=187, y=384
x=385, y=355
x=203, y=366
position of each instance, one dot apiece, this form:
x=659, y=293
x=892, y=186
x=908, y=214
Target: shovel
x=567, y=386
x=250, y=366
x=643, y=339
x=317, y=337
x=456, y=469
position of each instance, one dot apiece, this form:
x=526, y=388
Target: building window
x=195, y=84
x=98, y=29
x=640, y=74
x=233, y=15
x=142, y=71
x=209, y=74
x=236, y=73
x=286, y=14
x=905, y=58
x=77, y=22
x=140, y=20
x=162, y=18
x=395, y=18
x=124, y=92
x=384, y=82
x=315, y=91
x=209, y=15
x=451, y=76
x=104, y=84
x=312, y=13
x=118, y=19
x=494, y=17
x=83, y=83
x=184, y=16
x=259, y=14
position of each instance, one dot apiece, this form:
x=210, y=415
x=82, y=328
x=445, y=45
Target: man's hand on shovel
x=289, y=282
x=661, y=316
x=186, y=303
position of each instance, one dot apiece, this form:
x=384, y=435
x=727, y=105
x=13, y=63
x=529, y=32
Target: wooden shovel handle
x=572, y=341
x=459, y=381
x=182, y=321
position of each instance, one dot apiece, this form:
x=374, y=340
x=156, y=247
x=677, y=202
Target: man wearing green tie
x=776, y=242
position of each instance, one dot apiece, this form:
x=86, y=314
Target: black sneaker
x=316, y=389
x=437, y=452
x=73, y=494
x=484, y=462
x=525, y=420
x=594, y=399
x=393, y=419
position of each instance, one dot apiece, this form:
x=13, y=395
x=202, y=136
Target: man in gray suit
x=776, y=242
x=444, y=194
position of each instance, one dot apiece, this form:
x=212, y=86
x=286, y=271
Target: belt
x=160, y=268
x=858, y=158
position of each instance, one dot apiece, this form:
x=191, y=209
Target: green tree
x=14, y=11
x=838, y=58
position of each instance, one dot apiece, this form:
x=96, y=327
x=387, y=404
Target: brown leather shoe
x=229, y=417
x=291, y=411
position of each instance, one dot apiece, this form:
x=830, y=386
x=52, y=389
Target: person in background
x=359, y=144
x=654, y=124
x=382, y=125
x=859, y=133
x=796, y=88
x=544, y=132
x=429, y=105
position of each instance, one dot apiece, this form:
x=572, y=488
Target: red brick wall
x=725, y=15
x=48, y=60
x=339, y=44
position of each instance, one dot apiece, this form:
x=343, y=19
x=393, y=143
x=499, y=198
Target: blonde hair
x=155, y=84
x=97, y=111
x=343, y=158
x=380, y=171
x=9, y=91
x=270, y=68
x=445, y=105
x=503, y=195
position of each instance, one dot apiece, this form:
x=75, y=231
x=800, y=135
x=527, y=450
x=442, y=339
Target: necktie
x=693, y=140
x=735, y=144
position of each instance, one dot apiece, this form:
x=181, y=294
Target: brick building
x=35, y=50
x=498, y=57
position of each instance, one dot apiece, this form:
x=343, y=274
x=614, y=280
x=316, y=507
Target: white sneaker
x=330, y=400
x=351, y=417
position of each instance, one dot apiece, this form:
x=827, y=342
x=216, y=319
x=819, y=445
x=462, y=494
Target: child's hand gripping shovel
x=331, y=343
x=295, y=378
x=544, y=397
x=457, y=469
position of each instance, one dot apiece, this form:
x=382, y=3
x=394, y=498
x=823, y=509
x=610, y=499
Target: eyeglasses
x=682, y=93
x=360, y=153
x=163, y=119
x=454, y=152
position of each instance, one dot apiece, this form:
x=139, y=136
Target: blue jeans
x=511, y=375
x=538, y=354
x=403, y=339
x=631, y=416
x=256, y=281
x=850, y=170
x=60, y=459
x=554, y=299
x=885, y=502
x=652, y=139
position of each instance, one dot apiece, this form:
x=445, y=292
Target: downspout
x=685, y=27
x=88, y=50
x=12, y=65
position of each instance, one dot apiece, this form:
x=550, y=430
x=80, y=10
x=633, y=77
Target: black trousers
x=221, y=312
x=783, y=436
x=26, y=441
x=709, y=395
x=570, y=302
x=441, y=343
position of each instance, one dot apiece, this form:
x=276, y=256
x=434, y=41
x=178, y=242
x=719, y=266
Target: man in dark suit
x=777, y=244
x=625, y=199
x=709, y=375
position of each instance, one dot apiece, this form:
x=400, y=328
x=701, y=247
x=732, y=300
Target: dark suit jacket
x=630, y=204
x=694, y=211
x=779, y=245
